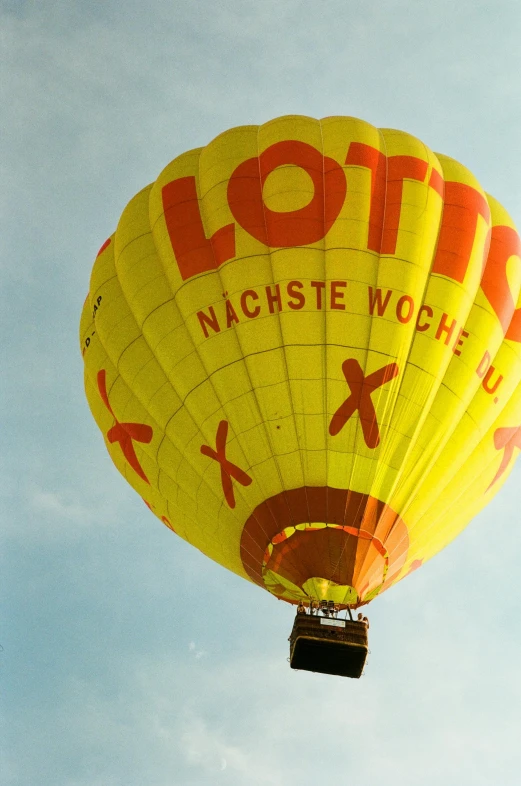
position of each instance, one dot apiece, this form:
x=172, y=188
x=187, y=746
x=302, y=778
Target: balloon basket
x=328, y=646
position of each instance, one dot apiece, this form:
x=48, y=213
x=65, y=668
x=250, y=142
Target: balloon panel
x=302, y=346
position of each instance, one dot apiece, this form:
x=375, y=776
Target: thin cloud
x=49, y=502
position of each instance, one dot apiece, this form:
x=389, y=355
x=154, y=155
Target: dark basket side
x=328, y=646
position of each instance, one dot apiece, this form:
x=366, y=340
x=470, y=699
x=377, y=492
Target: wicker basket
x=328, y=645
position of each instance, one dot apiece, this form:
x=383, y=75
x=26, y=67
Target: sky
x=128, y=659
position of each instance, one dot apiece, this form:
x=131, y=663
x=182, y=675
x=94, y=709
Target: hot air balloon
x=302, y=346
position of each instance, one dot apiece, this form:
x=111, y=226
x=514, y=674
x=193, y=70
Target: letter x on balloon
x=125, y=433
x=362, y=388
x=228, y=470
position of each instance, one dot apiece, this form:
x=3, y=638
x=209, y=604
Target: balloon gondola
x=302, y=345
x=321, y=641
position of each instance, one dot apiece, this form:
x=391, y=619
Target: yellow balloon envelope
x=303, y=348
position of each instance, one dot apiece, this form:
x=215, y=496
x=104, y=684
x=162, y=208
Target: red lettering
x=319, y=287
x=293, y=291
x=399, y=168
x=459, y=341
x=294, y=227
x=337, y=295
x=231, y=314
x=487, y=383
x=437, y=183
x=422, y=326
x=194, y=253
x=386, y=192
x=463, y=204
x=367, y=156
x=444, y=327
x=483, y=366
x=254, y=312
x=504, y=243
x=274, y=298
x=210, y=320
x=407, y=316
x=375, y=299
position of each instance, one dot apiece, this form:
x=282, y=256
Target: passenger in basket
x=363, y=619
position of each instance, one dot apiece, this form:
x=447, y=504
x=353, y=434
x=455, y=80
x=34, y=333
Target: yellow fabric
x=182, y=353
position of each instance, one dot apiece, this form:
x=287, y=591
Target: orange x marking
x=228, y=470
x=360, y=399
x=124, y=433
x=507, y=439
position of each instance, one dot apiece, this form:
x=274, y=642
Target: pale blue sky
x=128, y=659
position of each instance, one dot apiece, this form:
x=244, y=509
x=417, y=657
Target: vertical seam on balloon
x=283, y=349
x=390, y=388
x=435, y=390
x=404, y=363
x=400, y=474
x=433, y=524
x=372, y=323
x=237, y=488
x=405, y=353
x=262, y=421
x=447, y=435
x=398, y=479
x=483, y=436
x=357, y=426
x=325, y=346
x=356, y=434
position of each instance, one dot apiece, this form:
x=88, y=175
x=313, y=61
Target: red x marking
x=228, y=470
x=360, y=399
x=124, y=433
x=507, y=439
